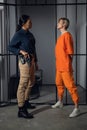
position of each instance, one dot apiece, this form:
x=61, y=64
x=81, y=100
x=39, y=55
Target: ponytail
x=18, y=27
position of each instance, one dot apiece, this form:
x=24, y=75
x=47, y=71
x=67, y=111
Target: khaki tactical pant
x=27, y=80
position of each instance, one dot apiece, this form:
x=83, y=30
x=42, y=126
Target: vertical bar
x=66, y=8
x=86, y=53
x=66, y=17
x=16, y=18
x=8, y=56
x=7, y=27
x=45, y=2
x=4, y=89
x=76, y=43
x=24, y=3
x=56, y=34
x=0, y=51
x=36, y=2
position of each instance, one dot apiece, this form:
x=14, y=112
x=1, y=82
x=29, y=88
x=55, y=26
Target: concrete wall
x=43, y=19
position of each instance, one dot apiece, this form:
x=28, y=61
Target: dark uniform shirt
x=23, y=40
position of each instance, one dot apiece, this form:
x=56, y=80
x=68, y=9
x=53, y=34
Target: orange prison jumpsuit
x=64, y=71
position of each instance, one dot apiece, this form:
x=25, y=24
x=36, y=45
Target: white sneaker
x=58, y=104
x=75, y=112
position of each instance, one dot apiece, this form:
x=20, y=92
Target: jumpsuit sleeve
x=69, y=44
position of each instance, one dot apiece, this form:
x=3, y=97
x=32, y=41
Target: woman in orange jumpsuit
x=64, y=72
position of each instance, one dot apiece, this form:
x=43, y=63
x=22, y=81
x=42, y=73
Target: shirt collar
x=24, y=31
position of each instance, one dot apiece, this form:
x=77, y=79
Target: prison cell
x=44, y=15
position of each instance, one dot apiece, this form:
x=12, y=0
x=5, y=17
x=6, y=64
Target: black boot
x=23, y=113
x=28, y=105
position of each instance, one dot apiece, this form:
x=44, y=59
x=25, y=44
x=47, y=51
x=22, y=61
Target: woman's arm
x=14, y=45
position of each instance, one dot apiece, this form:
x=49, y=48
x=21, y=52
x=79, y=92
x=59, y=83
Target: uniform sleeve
x=14, y=44
x=34, y=47
x=69, y=44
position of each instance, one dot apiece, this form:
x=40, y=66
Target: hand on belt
x=24, y=60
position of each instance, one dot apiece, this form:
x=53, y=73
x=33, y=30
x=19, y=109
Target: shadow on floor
x=41, y=109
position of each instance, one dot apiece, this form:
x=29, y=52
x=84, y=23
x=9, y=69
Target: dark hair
x=22, y=20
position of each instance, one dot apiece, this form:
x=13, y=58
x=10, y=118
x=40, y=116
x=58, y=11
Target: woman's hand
x=24, y=53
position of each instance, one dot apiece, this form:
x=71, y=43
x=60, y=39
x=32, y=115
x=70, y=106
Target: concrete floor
x=45, y=118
